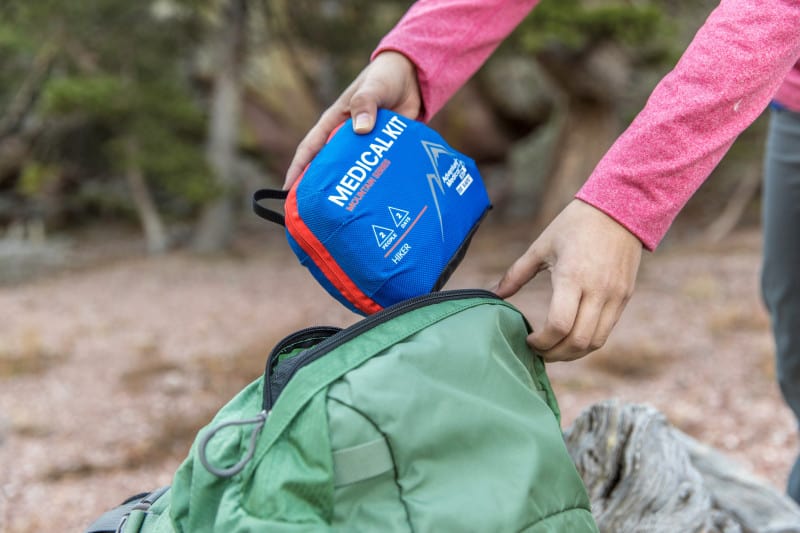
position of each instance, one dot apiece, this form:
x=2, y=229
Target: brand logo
x=456, y=171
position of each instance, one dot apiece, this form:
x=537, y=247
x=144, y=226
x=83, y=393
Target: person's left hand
x=593, y=262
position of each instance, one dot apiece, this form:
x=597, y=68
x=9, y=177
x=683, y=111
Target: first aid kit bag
x=381, y=217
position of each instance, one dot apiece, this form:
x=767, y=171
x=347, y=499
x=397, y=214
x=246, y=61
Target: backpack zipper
x=310, y=336
x=346, y=335
x=333, y=338
x=301, y=337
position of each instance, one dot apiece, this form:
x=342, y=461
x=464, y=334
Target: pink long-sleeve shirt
x=741, y=58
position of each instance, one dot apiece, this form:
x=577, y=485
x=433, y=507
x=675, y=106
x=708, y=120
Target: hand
x=389, y=81
x=593, y=262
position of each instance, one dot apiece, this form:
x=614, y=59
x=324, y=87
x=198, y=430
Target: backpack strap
x=360, y=462
x=114, y=520
x=264, y=212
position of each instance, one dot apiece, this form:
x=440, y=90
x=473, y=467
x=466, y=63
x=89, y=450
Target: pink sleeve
x=722, y=83
x=448, y=40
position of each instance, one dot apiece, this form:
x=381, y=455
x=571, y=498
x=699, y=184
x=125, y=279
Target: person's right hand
x=593, y=260
x=389, y=81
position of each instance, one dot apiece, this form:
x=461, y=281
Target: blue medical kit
x=381, y=217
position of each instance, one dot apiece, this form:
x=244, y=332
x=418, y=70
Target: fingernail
x=362, y=123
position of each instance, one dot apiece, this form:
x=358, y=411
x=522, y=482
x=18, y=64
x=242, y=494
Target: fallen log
x=644, y=475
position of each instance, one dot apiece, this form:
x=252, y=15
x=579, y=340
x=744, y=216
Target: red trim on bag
x=322, y=258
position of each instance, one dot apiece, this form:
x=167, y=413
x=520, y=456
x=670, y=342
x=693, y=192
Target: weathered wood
x=740, y=494
x=644, y=475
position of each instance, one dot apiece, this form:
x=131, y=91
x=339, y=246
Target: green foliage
x=167, y=127
x=115, y=98
x=343, y=27
x=24, y=26
x=101, y=96
x=163, y=153
x=578, y=25
x=35, y=177
x=344, y=33
x=17, y=48
x=122, y=73
x=12, y=39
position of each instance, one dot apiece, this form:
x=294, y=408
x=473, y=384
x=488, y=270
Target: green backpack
x=432, y=415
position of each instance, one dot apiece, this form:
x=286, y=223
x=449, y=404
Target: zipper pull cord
x=259, y=421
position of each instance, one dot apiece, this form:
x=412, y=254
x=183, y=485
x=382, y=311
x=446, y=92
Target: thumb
x=364, y=108
x=520, y=272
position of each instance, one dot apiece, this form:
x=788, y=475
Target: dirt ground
x=108, y=370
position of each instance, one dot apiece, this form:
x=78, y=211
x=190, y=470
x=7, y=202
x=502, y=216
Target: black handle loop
x=264, y=212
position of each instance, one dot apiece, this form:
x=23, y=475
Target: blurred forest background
x=165, y=115
x=138, y=292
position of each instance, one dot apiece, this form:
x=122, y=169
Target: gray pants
x=780, y=277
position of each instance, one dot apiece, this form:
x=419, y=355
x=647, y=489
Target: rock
x=516, y=87
x=23, y=256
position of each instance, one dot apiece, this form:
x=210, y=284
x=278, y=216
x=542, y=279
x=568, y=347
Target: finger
x=364, y=106
x=313, y=143
x=305, y=152
x=608, y=319
x=578, y=342
x=561, y=316
x=520, y=272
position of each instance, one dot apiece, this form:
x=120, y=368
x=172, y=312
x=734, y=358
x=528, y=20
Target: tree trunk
x=644, y=475
x=588, y=130
x=26, y=97
x=592, y=82
x=150, y=219
x=217, y=223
